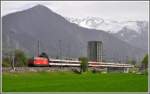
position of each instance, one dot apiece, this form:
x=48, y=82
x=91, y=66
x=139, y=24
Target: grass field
x=71, y=82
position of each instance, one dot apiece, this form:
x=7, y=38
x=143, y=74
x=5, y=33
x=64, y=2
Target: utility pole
x=68, y=51
x=127, y=59
x=38, y=48
x=101, y=51
x=13, y=51
x=13, y=60
x=81, y=49
x=60, y=49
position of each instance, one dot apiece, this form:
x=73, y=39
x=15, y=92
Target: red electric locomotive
x=41, y=60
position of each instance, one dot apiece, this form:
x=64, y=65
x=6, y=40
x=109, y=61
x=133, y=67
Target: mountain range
x=128, y=31
x=58, y=36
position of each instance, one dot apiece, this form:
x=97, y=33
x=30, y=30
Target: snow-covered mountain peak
x=108, y=25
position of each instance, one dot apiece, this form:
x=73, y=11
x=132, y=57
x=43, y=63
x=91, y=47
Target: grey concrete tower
x=95, y=50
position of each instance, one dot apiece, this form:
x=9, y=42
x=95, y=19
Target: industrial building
x=95, y=51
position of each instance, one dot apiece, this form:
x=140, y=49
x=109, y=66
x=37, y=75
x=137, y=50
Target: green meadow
x=73, y=82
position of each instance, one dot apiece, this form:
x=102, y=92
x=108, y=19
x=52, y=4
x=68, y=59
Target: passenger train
x=45, y=61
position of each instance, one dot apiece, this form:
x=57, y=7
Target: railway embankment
x=39, y=69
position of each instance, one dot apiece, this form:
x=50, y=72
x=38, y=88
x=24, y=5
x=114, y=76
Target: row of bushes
x=18, y=57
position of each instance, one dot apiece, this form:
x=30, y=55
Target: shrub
x=6, y=62
x=76, y=71
x=131, y=61
x=20, y=58
x=134, y=70
x=83, y=64
x=145, y=62
x=96, y=71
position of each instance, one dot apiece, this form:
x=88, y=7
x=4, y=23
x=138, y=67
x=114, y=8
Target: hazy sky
x=115, y=10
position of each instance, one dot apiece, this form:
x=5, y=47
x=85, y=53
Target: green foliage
x=96, y=71
x=20, y=58
x=145, y=61
x=6, y=62
x=144, y=65
x=131, y=61
x=99, y=70
x=84, y=64
x=134, y=70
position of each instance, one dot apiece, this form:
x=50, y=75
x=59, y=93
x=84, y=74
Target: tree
x=20, y=58
x=6, y=62
x=83, y=64
x=145, y=62
x=131, y=61
x=14, y=58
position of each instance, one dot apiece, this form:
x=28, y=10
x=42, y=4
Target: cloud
x=117, y=10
